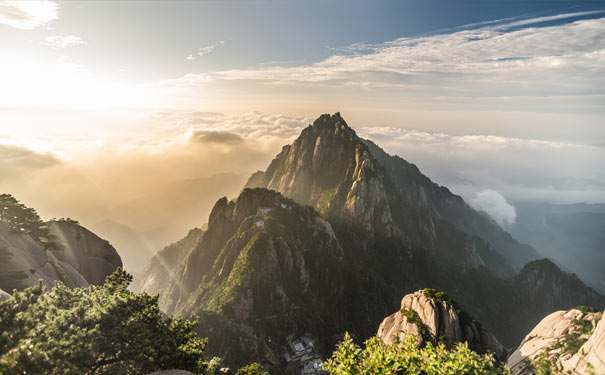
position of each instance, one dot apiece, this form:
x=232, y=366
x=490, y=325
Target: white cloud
x=62, y=41
x=496, y=206
x=204, y=50
x=512, y=58
x=521, y=169
x=29, y=14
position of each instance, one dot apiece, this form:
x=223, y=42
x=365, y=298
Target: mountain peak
x=335, y=120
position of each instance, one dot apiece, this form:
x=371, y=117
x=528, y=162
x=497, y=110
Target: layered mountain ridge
x=344, y=232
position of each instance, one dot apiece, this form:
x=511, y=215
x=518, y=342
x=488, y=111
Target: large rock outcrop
x=573, y=342
x=434, y=317
x=93, y=257
x=80, y=259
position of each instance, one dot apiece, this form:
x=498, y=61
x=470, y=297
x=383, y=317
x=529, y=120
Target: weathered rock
x=552, y=334
x=83, y=260
x=431, y=320
x=93, y=257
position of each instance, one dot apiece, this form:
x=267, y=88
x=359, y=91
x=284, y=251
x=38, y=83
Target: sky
x=103, y=103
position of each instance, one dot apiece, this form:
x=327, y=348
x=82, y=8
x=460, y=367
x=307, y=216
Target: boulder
x=437, y=320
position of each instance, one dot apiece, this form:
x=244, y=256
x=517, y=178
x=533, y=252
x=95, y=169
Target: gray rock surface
x=91, y=256
x=84, y=259
x=439, y=322
x=550, y=334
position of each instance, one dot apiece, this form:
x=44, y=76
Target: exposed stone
x=550, y=334
x=438, y=322
x=83, y=259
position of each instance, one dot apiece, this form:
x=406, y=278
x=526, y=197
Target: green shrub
x=405, y=358
x=252, y=369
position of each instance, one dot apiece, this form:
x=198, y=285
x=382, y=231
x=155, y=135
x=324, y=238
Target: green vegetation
x=104, y=329
x=582, y=326
x=575, y=336
x=585, y=309
x=251, y=369
x=405, y=358
x=324, y=200
x=23, y=219
x=412, y=317
x=436, y=296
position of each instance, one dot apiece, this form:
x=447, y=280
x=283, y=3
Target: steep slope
x=265, y=268
x=159, y=273
x=353, y=182
x=340, y=259
x=570, y=234
x=31, y=250
x=570, y=341
x=434, y=317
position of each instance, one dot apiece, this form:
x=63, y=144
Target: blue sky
x=504, y=96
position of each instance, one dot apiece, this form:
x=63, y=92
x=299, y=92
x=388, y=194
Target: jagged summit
x=330, y=236
x=353, y=181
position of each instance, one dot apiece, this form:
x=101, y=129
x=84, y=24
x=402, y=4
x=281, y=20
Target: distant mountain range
x=573, y=235
x=330, y=236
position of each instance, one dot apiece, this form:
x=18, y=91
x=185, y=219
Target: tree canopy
x=104, y=329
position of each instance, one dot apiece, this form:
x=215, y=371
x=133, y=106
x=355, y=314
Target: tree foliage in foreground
x=104, y=329
x=404, y=357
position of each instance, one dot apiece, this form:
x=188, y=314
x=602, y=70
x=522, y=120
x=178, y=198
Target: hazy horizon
x=107, y=108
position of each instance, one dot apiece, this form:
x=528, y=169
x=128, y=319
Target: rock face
x=160, y=272
x=93, y=257
x=351, y=180
x=572, y=340
x=265, y=268
x=359, y=231
x=83, y=258
x=432, y=319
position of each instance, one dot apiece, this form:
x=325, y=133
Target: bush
x=405, y=358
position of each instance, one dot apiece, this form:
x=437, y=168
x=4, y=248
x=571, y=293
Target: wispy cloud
x=204, y=50
x=28, y=15
x=62, y=41
x=510, y=58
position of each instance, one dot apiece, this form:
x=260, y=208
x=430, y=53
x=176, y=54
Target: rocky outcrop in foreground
x=572, y=341
x=433, y=317
x=80, y=259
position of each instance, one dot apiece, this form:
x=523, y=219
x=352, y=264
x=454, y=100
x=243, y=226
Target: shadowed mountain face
x=350, y=230
x=353, y=181
x=570, y=234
